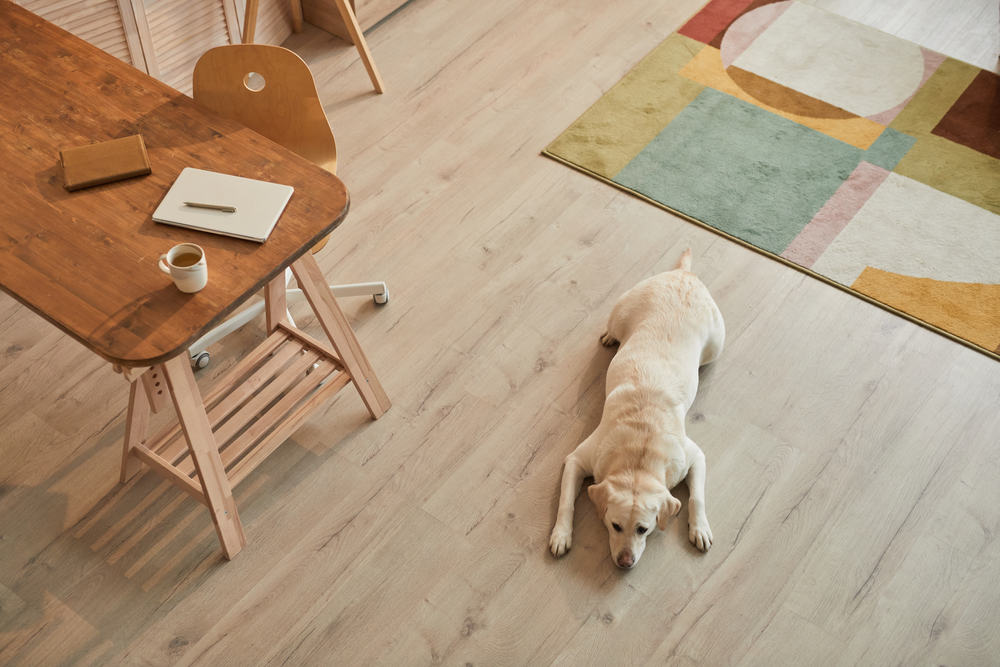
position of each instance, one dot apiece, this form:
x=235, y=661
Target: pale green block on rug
x=626, y=118
x=755, y=175
x=889, y=149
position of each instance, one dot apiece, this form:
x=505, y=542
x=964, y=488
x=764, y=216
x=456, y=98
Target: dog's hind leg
x=716, y=339
x=616, y=327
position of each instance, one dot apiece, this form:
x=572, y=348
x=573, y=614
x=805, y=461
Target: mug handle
x=163, y=264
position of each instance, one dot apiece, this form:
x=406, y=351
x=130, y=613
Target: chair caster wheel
x=382, y=298
x=200, y=360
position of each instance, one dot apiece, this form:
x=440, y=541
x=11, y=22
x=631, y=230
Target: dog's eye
x=617, y=528
x=641, y=530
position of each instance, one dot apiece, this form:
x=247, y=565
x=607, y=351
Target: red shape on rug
x=974, y=119
x=710, y=24
x=713, y=19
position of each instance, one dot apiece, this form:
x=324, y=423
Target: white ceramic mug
x=185, y=263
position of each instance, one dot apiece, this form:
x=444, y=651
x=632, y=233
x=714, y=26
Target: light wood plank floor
x=854, y=467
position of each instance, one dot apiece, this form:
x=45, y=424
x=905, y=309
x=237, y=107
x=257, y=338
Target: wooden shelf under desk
x=253, y=408
x=223, y=434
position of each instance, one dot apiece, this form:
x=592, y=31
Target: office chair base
x=200, y=357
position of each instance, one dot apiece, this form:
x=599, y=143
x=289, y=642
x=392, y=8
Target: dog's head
x=631, y=506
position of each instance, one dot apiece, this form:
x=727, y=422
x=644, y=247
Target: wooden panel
x=182, y=30
x=135, y=31
x=274, y=21
x=163, y=37
x=87, y=260
x=324, y=14
x=97, y=21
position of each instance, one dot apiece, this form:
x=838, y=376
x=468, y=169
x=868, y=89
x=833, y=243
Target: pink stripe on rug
x=830, y=220
x=747, y=28
x=932, y=60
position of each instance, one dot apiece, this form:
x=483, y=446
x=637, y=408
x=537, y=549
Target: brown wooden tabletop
x=87, y=260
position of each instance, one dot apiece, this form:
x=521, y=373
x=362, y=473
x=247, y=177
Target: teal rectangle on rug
x=744, y=148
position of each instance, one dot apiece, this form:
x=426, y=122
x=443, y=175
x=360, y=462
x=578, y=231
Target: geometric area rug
x=865, y=160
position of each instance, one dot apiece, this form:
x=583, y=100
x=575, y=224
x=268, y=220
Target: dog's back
x=670, y=310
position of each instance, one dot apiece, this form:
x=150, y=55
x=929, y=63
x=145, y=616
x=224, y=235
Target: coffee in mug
x=185, y=263
x=186, y=259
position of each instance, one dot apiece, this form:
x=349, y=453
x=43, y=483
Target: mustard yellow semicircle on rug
x=967, y=310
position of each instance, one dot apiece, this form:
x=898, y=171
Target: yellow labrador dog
x=667, y=327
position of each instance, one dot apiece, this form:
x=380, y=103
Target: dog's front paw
x=607, y=340
x=560, y=541
x=700, y=534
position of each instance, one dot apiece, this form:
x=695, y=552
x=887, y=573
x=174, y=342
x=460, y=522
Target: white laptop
x=223, y=204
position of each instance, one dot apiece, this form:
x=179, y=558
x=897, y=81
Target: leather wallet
x=104, y=162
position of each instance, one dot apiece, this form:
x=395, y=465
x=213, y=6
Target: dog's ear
x=599, y=496
x=663, y=515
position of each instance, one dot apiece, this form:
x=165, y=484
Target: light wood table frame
x=221, y=437
x=86, y=261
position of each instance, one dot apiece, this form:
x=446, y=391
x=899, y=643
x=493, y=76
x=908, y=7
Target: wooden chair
x=270, y=90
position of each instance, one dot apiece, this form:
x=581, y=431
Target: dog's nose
x=625, y=559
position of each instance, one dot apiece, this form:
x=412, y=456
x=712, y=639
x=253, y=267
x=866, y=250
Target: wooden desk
x=86, y=261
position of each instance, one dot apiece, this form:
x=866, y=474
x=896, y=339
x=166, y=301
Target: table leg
x=275, y=307
x=136, y=425
x=250, y=21
x=354, y=30
x=152, y=382
x=205, y=454
x=338, y=329
x=296, y=10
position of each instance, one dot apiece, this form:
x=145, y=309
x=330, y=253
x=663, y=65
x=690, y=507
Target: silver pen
x=214, y=207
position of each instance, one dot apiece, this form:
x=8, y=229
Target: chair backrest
x=287, y=110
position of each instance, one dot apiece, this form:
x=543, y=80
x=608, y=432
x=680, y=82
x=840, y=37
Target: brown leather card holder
x=104, y=162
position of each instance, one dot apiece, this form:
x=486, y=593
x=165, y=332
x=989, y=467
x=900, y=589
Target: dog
x=666, y=327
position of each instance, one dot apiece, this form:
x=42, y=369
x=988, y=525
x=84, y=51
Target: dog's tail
x=685, y=261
